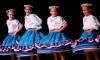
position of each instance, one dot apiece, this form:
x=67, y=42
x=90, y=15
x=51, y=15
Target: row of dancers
x=56, y=42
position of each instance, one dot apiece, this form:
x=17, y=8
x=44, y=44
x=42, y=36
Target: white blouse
x=33, y=21
x=54, y=22
x=90, y=22
x=13, y=25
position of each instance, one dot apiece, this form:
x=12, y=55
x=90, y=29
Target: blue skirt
x=86, y=43
x=53, y=42
x=8, y=44
x=28, y=40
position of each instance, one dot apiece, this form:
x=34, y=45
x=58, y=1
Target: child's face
x=86, y=11
x=10, y=14
x=28, y=10
x=53, y=11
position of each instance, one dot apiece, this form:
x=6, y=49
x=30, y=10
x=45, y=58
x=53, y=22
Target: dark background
x=69, y=9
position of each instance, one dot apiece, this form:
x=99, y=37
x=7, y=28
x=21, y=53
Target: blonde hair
x=53, y=6
x=13, y=10
x=28, y=6
x=86, y=5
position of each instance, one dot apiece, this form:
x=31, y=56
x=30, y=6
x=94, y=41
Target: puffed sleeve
x=39, y=20
x=97, y=21
x=26, y=23
x=83, y=20
x=7, y=23
x=17, y=24
x=93, y=21
x=61, y=22
x=50, y=24
x=36, y=22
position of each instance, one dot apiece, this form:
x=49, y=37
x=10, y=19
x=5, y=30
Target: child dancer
x=55, y=40
x=14, y=26
x=32, y=35
x=87, y=41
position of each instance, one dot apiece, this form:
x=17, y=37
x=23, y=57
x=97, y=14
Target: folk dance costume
x=97, y=38
x=11, y=40
x=54, y=41
x=87, y=41
x=31, y=36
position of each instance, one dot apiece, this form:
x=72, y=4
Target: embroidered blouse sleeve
x=50, y=24
x=7, y=23
x=18, y=24
x=61, y=21
x=93, y=22
x=37, y=21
